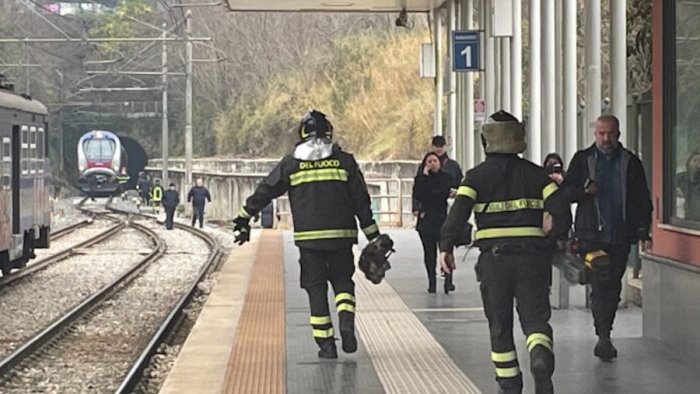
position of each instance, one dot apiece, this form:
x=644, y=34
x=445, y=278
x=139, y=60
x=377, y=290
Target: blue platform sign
x=466, y=47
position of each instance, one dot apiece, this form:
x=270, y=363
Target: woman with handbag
x=431, y=188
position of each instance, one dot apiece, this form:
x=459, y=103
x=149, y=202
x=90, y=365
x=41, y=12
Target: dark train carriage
x=24, y=196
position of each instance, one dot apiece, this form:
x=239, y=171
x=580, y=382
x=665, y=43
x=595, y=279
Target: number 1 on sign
x=467, y=53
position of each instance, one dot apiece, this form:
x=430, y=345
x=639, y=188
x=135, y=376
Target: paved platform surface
x=412, y=341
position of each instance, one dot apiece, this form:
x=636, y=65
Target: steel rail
x=170, y=322
x=58, y=326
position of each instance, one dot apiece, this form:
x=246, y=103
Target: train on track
x=25, y=212
x=101, y=155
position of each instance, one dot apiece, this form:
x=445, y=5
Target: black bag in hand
x=374, y=258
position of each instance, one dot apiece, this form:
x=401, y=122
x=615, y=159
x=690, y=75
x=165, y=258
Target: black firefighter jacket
x=509, y=197
x=325, y=196
x=636, y=197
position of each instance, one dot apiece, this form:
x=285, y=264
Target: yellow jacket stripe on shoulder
x=467, y=191
x=548, y=190
x=509, y=206
x=504, y=232
x=324, y=234
x=320, y=175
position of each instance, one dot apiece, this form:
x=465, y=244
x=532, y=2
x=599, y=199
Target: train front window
x=99, y=149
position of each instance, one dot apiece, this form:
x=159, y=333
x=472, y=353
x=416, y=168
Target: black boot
x=604, y=349
x=347, y=331
x=510, y=385
x=449, y=286
x=431, y=284
x=328, y=349
x=542, y=368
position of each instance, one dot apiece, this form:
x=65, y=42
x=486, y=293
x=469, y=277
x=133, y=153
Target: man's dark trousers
x=606, y=285
x=169, y=215
x=198, y=212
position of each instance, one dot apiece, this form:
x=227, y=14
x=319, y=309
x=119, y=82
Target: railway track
x=60, y=339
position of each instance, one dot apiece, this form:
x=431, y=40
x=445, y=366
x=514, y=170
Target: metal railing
x=390, y=197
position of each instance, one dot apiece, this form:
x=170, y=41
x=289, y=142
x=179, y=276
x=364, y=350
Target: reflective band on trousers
x=508, y=206
x=503, y=357
x=548, y=190
x=538, y=339
x=318, y=320
x=324, y=333
x=324, y=234
x=325, y=174
x=510, y=232
x=344, y=296
x=467, y=191
x=372, y=228
x=507, y=372
x=346, y=308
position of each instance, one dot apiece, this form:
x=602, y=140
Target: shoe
x=328, y=349
x=431, y=285
x=544, y=386
x=347, y=332
x=449, y=286
x=541, y=363
x=604, y=349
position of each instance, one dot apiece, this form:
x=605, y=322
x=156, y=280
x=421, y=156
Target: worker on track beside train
x=156, y=196
x=143, y=185
x=519, y=214
x=326, y=192
x=123, y=179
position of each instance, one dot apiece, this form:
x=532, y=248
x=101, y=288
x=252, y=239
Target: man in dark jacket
x=171, y=198
x=198, y=196
x=614, y=211
x=144, y=187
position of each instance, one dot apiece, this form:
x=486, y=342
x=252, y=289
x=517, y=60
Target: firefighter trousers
x=318, y=267
x=525, y=277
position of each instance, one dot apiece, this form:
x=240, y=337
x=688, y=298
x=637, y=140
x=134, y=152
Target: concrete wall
x=671, y=309
x=230, y=181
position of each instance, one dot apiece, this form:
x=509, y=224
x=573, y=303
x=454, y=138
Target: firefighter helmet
x=503, y=133
x=315, y=125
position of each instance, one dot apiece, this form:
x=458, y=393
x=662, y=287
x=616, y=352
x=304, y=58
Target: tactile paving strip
x=405, y=355
x=257, y=363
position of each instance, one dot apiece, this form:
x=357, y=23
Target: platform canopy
x=334, y=6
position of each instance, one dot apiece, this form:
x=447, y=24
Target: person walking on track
x=171, y=199
x=198, y=196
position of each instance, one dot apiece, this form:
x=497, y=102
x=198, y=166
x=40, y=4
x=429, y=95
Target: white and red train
x=101, y=156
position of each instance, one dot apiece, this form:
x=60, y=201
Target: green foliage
x=368, y=84
x=117, y=24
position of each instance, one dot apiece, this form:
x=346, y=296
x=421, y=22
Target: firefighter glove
x=241, y=229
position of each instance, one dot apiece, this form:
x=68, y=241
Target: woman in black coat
x=432, y=188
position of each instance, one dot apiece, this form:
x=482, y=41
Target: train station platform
x=253, y=336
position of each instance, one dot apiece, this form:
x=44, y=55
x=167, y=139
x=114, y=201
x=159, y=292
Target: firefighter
x=519, y=216
x=326, y=192
x=156, y=196
x=123, y=179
